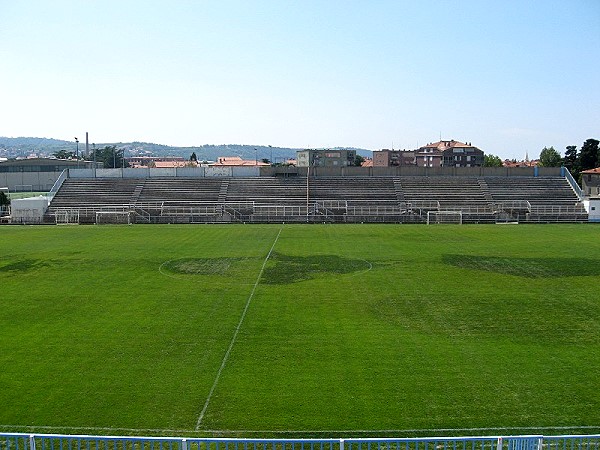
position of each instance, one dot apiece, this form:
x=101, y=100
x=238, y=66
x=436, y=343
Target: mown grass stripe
x=235, y=333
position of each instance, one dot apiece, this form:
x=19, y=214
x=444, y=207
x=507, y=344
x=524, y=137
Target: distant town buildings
x=325, y=158
x=437, y=154
x=393, y=158
x=449, y=154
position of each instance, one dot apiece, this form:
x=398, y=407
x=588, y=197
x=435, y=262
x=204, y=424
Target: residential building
x=449, y=154
x=325, y=158
x=392, y=158
x=590, y=182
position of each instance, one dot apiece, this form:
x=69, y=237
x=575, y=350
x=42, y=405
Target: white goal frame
x=119, y=217
x=23, y=188
x=66, y=217
x=439, y=217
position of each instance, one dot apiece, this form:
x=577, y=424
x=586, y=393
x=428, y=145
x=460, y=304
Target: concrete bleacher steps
x=328, y=199
x=550, y=198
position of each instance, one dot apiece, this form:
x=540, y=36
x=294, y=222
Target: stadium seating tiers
x=321, y=199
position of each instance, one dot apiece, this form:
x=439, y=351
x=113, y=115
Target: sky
x=510, y=77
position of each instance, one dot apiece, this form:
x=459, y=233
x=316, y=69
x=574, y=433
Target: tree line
x=576, y=160
x=110, y=156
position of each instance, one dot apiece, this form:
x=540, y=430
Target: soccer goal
x=23, y=188
x=67, y=217
x=113, y=217
x=437, y=217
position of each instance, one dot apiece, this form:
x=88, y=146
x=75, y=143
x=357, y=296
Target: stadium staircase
x=318, y=199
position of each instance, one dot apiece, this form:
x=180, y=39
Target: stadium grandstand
x=453, y=196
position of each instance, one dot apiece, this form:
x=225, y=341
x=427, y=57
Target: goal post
x=439, y=217
x=113, y=217
x=23, y=188
x=67, y=217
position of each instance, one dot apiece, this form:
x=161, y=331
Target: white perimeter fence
x=24, y=441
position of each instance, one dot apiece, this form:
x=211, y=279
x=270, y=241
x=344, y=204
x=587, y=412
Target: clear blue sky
x=509, y=76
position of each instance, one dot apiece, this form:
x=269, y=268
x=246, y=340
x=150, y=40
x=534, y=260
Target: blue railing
x=565, y=173
x=24, y=441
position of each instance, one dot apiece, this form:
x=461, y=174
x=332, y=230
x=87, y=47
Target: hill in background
x=45, y=147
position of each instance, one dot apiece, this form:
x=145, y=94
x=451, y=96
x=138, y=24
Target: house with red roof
x=449, y=154
x=590, y=182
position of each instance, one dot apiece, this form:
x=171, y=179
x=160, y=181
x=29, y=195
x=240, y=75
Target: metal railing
x=580, y=194
x=57, y=184
x=25, y=441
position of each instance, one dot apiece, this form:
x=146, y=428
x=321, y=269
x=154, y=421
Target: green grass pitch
x=300, y=330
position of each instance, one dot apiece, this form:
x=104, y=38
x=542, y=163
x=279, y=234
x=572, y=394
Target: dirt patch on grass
x=284, y=269
x=23, y=265
x=199, y=266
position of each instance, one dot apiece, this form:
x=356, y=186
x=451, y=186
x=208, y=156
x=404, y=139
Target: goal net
x=113, y=217
x=67, y=217
x=437, y=217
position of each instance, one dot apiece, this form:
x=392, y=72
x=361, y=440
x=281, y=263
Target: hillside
x=26, y=146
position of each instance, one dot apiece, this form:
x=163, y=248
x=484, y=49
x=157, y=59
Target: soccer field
x=300, y=330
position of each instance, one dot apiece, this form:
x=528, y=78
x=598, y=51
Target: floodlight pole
x=94, y=150
x=77, y=151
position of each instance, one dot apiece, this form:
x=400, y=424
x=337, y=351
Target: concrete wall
x=169, y=172
x=246, y=171
x=218, y=172
x=136, y=173
x=191, y=172
x=82, y=173
x=43, y=181
x=430, y=171
x=109, y=173
x=40, y=181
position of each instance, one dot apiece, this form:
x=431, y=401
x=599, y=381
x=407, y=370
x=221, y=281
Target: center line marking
x=237, y=330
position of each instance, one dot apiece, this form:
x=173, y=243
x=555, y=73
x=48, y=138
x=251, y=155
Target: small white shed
x=593, y=207
x=28, y=210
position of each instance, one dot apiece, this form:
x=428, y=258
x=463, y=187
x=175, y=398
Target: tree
x=4, y=200
x=571, y=160
x=63, y=154
x=549, y=157
x=110, y=156
x=588, y=155
x=358, y=160
x=492, y=161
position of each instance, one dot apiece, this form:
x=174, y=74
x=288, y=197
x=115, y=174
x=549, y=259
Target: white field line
x=235, y=334
x=331, y=432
